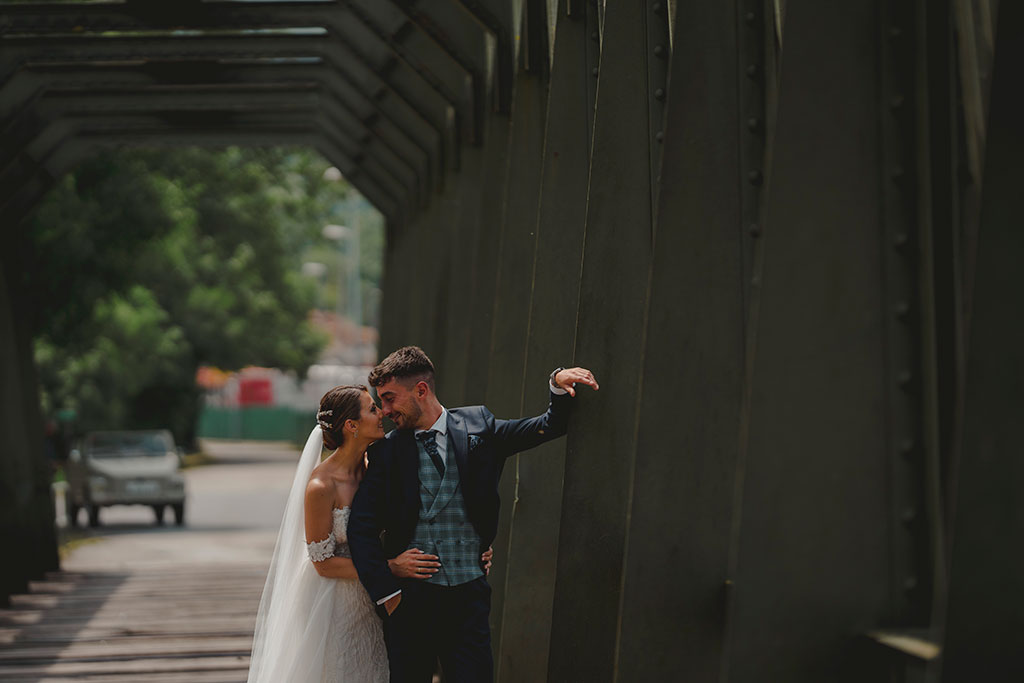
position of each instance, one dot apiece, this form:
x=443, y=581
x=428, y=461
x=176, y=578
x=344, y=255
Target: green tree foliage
x=144, y=264
x=132, y=349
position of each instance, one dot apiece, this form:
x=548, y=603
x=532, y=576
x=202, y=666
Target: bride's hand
x=485, y=560
x=414, y=564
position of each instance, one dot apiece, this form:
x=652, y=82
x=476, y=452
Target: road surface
x=145, y=603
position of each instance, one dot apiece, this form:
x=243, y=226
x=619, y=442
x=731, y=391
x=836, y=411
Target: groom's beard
x=407, y=420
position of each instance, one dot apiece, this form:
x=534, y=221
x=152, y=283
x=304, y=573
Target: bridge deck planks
x=168, y=624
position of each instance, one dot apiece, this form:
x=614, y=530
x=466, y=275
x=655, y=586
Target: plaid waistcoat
x=443, y=529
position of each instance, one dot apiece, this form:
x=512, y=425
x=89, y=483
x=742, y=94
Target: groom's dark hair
x=408, y=362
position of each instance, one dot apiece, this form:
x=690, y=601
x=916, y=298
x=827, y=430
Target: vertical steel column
x=463, y=249
x=390, y=300
x=515, y=268
x=673, y=607
x=609, y=339
x=399, y=294
x=438, y=254
x=658, y=49
x=756, y=65
x=985, y=618
x=27, y=521
x=15, y=484
x=424, y=264
x=903, y=181
x=810, y=557
x=485, y=260
x=533, y=538
x=938, y=340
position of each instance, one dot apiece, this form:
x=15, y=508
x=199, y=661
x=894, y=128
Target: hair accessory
x=324, y=424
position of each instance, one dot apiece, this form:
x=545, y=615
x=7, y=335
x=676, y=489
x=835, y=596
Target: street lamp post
x=340, y=233
x=316, y=271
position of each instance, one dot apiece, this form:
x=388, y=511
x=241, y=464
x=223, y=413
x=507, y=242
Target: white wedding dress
x=355, y=642
x=312, y=629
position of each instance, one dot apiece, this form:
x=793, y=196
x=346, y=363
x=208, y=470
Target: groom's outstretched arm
x=529, y=432
x=364, y=528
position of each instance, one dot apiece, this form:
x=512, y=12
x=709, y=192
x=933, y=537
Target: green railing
x=259, y=423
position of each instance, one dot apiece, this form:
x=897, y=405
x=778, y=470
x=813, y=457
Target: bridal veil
x=295, y=611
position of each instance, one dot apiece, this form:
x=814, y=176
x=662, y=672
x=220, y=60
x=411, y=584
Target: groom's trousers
x=446, y=623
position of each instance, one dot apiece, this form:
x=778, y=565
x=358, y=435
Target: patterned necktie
x=429, y=441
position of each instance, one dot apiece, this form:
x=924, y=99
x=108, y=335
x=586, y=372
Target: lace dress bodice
x=355, y=643
x=340, y=531
x=336, y=543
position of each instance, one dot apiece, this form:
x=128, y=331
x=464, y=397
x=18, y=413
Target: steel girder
x=382, y=168
x=696, y=319
x=399, y=127
x=467, y=40
x=551, y=323
x=485, y=260
x=267, y=129
x=820, y=483
x=343, y=56
x=378, y=39
x=984, y=615
x=38, y=134
x=215, y=103
x=516, y=243
x=465, y=225
x=432, y=64
x=609, y=334
x=375, y=181
x=516, y=247
x=497, y=16
x=370, y=26
x=447, y=24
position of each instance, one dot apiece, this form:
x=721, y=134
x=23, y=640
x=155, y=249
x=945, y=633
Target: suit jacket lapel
x=458, y=439
x=409, y=458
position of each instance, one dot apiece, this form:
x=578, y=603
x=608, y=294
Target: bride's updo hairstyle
x=337, y=405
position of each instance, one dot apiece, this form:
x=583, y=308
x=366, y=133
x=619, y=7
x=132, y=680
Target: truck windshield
x=128, y=444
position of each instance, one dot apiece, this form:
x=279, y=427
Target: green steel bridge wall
x=781, y=232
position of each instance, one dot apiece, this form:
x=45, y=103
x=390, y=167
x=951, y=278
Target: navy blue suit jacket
x=386, y=506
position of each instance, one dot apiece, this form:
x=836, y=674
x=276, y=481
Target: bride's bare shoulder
x=319, y=486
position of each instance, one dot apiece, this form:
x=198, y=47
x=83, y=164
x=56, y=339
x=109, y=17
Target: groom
x=432, y=485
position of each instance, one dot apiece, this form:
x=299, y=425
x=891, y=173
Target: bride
x=316, y=623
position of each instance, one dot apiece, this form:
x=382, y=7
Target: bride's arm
x=319, y=528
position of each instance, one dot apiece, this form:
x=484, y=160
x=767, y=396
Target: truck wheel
x=94, y=514
x=179, y=513
x=159, y=511
x=73, y=509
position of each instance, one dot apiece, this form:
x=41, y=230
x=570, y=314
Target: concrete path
x=141, y=602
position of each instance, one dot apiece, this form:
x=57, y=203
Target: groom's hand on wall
x=569, y=377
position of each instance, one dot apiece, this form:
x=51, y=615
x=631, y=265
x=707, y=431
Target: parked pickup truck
x=125, y=468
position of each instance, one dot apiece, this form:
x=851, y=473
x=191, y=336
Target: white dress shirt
x=441, y=427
